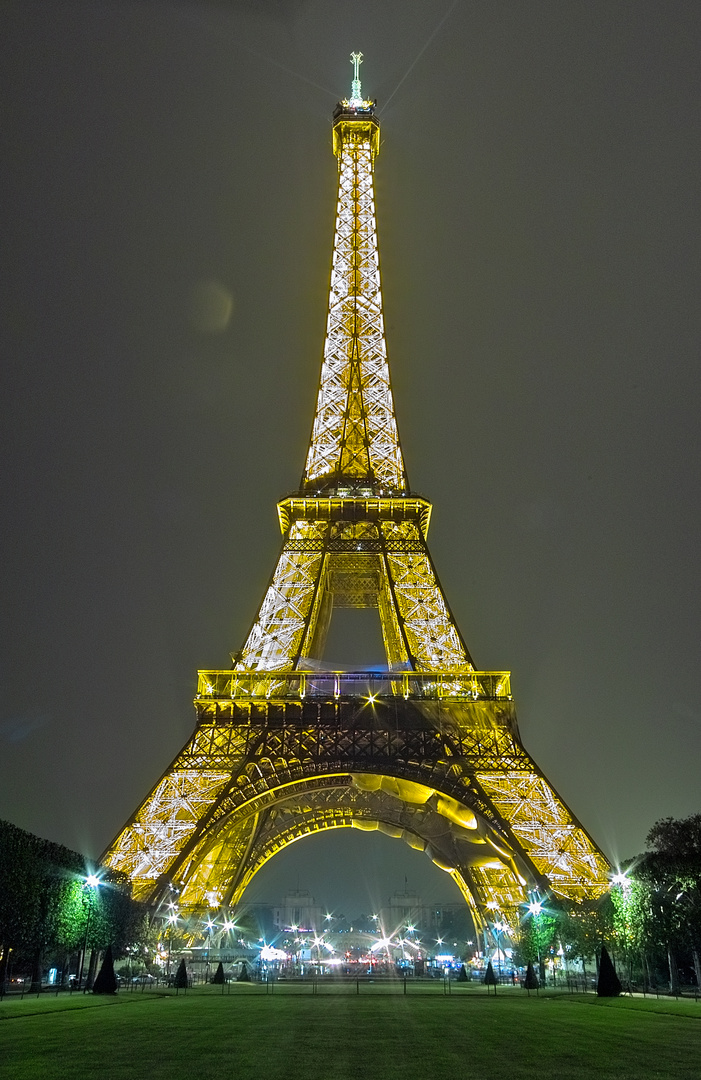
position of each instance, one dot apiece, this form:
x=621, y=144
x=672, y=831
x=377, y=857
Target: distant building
x=408, y=909
x=403, y=909
x=299, y=912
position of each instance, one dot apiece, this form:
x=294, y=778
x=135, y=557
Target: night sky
x=167, y=206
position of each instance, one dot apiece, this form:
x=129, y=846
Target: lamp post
x=93, y=882
x=535, y=910
x=499, y=928
x=210, y=925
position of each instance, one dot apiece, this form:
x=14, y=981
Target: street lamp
x=499, y=928
x=172, y=921
x=210, y=927
x=535, y=909
x=92, y=882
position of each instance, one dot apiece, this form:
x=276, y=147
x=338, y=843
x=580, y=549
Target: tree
x=106, y=981
x=218, y=976
x=657, y=900
x=46, y=907
x=531, y=980
x=540, y=930
x=36, y=878
x=462, y=974
x=673, y=867
x=609, y=984
x=243, y=975
x=490, y=978
x=180, y=980
x=584, y=925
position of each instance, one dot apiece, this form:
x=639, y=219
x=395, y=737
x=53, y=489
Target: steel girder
x=202, y=827
x=418, y=628
x=354, y=435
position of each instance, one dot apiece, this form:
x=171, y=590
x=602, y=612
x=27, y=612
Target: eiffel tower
x=426, y=750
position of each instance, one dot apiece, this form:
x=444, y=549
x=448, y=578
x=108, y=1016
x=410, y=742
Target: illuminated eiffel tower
x=428, y=750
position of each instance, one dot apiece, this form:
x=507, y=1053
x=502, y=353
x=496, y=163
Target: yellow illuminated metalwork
x=427, y=751
x=354, y=438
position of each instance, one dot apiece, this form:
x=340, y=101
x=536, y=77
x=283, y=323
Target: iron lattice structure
x=428, y=751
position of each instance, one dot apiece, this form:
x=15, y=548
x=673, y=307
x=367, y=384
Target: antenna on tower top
x=356, y=61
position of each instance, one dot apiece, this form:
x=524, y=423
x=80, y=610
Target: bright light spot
x=228, y=926
x=92, y=881
x=269, y=953
x=491, y=904
x=535, y=907
x=622, y=880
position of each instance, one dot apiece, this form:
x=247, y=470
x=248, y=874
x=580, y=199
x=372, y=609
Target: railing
x=296, y=685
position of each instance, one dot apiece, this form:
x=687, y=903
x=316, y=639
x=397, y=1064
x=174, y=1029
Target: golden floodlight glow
x=285, y=749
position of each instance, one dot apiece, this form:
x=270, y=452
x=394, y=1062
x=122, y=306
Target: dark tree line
x=650, y=920
x=657, y=904
x=578, y=929
x=48, y=912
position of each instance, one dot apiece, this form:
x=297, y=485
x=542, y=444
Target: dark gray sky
x=538, y=211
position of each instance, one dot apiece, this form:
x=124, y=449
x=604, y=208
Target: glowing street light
x=93, y=882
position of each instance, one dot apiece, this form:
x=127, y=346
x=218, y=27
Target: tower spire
x=356, y=61
x=355, y=443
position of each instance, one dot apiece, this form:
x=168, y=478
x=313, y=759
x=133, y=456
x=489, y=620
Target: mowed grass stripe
x=335, y=1037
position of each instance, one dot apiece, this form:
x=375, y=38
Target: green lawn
x=336, y=1035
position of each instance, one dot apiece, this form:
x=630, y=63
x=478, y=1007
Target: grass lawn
x=338, y=1036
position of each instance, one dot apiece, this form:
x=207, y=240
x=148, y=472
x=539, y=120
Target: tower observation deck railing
x=296, y=685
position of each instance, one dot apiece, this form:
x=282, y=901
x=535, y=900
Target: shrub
x=106, y=981
x=609, y=984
